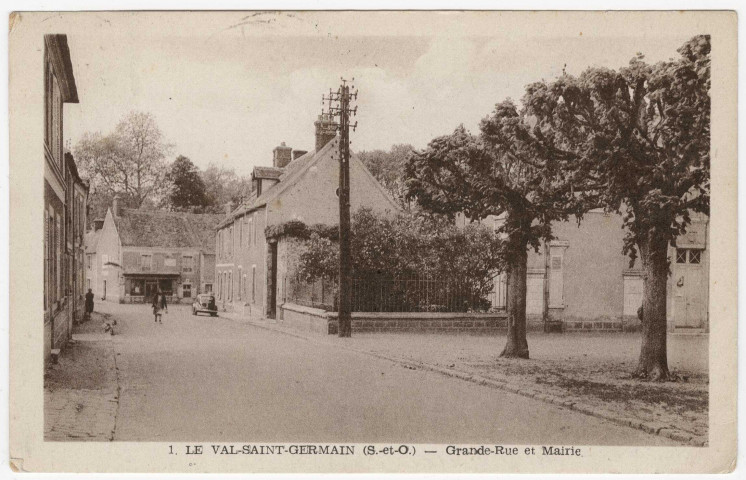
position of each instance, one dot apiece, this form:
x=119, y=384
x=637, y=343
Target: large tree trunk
x=653, y=356
x=517, y=346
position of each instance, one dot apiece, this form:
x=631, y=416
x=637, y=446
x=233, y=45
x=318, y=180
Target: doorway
x=689, y=289
x=272, y=282
x=151, y=288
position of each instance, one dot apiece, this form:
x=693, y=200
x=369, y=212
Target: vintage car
x=205, y=303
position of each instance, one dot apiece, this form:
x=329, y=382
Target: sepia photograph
x=340, y=237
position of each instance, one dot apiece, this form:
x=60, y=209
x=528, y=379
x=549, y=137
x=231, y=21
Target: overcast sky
x=230, y=91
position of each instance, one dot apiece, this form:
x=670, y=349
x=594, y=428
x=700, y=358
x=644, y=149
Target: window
x=146, y=262
x=230, y=285
x=187, y=263
x=688, y=255
x=186, y=290
x=58, y=256
x=56, y=137
x=208, y=287
x=253, y=284
x=240, y=284
x=48, y=81
x=248, y=237
x=137, y=287
x=694, y=256
x=255, y=227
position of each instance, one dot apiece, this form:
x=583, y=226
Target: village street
x=208, y=379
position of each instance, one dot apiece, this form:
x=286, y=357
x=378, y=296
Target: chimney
x=299, y=153
x=115, y=206
x=228, y=208
x=281, y=156
x=325, y=132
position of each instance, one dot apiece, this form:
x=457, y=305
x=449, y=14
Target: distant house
x=591, y=285
x=65, y=202
x=92, y=267
x=299, y=186
x=139, y=252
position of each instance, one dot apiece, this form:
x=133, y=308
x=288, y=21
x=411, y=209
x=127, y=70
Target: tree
x=128, y=162
x=497, y=173
x=187, y=190
x=403, y=248
x=388, y=169
x=223, y=186
x=643, y=134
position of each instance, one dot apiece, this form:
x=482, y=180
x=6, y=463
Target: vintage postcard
x=373, y=241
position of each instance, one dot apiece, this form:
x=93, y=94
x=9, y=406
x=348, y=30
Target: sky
x=227, y=89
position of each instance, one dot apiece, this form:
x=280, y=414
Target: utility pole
x=339, y=107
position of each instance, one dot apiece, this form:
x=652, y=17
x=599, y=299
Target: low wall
x=306, y=318
x=322, y=322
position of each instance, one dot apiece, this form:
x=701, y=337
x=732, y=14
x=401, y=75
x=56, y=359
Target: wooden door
x=689, y=290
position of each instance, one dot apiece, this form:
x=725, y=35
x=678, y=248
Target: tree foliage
x=129, y=162
x=187, y=190
x=498, y=173
x=388, y=169
x=642, y=134
x=407, y=246
x=224, y=186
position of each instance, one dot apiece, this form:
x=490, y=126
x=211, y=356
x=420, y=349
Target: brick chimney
x=228, y=208
x=299, y=153
x=281, y=156
x=325, y=132
x=115, y=206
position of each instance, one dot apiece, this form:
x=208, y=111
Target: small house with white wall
x=138, y=252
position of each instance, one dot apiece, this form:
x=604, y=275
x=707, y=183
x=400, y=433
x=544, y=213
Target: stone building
x=65, y=202
x=299, y=186
x=138, y=252
x=591, y=285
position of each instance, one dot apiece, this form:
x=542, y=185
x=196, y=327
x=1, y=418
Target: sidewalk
x=589, y=373
x=81, y=392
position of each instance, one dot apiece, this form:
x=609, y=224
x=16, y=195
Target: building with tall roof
x=139, y=252
x=251, y=269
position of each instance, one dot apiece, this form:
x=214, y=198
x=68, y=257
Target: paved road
x=215, y=379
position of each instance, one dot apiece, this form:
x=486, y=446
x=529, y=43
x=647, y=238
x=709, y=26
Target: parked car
x=205, y=303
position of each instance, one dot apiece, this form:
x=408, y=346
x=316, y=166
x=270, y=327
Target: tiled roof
x=140, y=228
x=292, y=171
x=268, y=172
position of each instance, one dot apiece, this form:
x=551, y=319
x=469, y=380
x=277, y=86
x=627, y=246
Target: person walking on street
x=159, y=305
x=88, y=305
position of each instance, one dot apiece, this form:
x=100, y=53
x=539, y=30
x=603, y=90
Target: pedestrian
x=88, y=305
x=159, y=305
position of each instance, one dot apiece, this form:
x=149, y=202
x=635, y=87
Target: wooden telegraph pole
x=339, y=107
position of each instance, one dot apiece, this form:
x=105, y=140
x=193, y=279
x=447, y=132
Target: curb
x=651, y=428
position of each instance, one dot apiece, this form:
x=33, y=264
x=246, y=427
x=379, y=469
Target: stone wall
x=322, y=322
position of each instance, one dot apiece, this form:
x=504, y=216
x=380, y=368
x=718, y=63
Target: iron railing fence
x=408, y=294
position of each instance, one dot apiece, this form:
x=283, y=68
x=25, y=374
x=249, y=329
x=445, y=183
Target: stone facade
x=592, y=286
